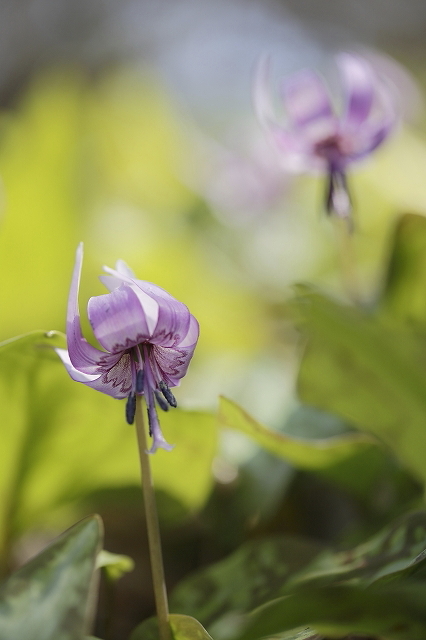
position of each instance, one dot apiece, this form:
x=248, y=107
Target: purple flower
x=148, y=336
x=316, y=138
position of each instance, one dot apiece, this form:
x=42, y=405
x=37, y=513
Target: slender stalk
x=153, y=528
x=345, y=247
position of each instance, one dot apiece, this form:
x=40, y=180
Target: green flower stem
x=153, y=528
x=347, y=259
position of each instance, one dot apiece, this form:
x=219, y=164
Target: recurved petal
x=173, y=362
x=173, y=319
x=118, y=319
x=307, y=101
x=167, y=319
x=83, y=356
x=191, y=337
x=75, y=374
x=122, y=273
x=358, y=80
x=115, y=381
x=262, y=102
x=372, y=137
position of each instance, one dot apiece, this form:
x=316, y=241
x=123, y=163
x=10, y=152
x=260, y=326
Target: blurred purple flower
x=149, y=338
x=316, y=139
x=241, y=179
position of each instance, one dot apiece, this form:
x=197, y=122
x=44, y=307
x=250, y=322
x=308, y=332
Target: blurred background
x=129, y=125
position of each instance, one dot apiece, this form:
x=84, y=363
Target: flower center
x=148, y=381
x=332, y=149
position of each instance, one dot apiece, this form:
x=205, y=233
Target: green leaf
x=301, y=452
x=48, y=597
x=64, y=440
x=368, y=372
x=187, y=628
x=393, y=613
x=114, y=565
x=183, y=628
x=393, y=553
x=185, y=473
x=244, y=580
x=404, y=295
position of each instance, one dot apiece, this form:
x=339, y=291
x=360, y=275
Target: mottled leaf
x=393, y=553
x=247, y=578
x=48, y=597
x=301, y=452
x=394, y=612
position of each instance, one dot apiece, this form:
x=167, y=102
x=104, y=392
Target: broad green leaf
x=183, y=628
x=393, y=553
x=49, y=596
x=368, y=372
x=60, y=440
x=301, y=452
x=185, y=472
x=368, y=474
x=247, y=578
x=396, y=612
x=187, y=628
x=114, y=565
x=404, y=295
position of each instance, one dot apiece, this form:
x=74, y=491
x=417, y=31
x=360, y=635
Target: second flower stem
x=347, y=259
x=153, y=528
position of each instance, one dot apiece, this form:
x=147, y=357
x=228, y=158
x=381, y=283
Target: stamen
x=167, y=393
x=338, y=200
x=160, y=401
x=139, y=381
x=131, y=408
x=152, y=414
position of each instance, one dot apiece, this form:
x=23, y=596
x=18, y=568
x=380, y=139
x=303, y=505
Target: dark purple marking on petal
x=117, y=381
x=173, y=363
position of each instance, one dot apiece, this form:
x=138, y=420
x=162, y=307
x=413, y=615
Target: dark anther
x=167, y=393
x=139, y=381
x=160, y=401
x=131, y=408
x=337, y=197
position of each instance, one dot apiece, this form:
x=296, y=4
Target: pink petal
x=116, y=382
x=173, y=362
x=306, y=100
x=372, y=137
x=173, y=316
x=262, y=102
x=193, y=333
x=358, y=80
x=118, y=319
x=83, y=356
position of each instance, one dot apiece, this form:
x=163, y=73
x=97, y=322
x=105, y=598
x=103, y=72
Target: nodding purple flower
x=316, y=138
x=148, y=336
